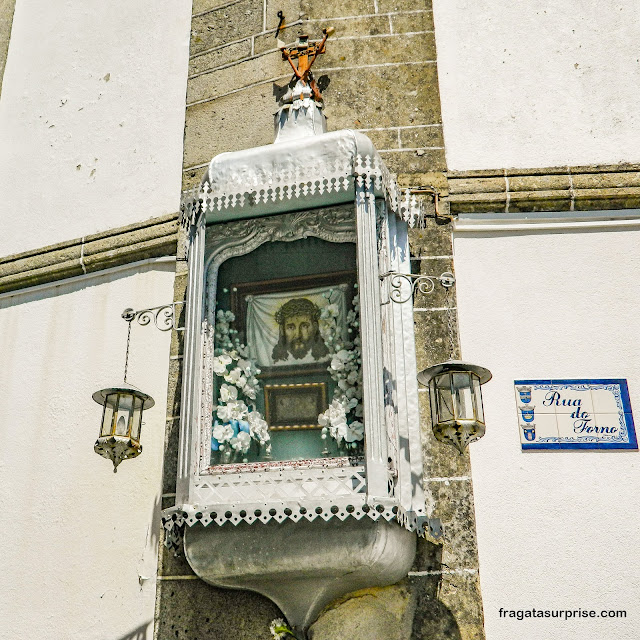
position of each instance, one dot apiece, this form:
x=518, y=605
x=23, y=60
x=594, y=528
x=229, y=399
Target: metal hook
x=439, y=218
x=281, y=16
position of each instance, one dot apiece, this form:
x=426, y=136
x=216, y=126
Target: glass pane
x=464, y=402
x=107, y=415
x=433, y=399
x=445, y=400
x=477, y=394
x=287, y=355
x=136, y=420
x=125, y=404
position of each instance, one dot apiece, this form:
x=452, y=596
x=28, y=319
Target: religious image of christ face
x=283, y=328
x=299, y=335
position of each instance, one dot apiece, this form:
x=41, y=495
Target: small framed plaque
x=294, y=406
x=575, y=414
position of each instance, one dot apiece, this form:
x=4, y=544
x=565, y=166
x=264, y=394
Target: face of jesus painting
x=298, y=331
x=283, y=327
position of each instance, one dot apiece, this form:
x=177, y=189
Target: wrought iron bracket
x=415, y=282
x=164, y=317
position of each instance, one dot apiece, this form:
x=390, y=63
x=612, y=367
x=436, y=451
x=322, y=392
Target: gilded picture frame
x=294, y=406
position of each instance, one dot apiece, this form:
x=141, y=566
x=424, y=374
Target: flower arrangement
x=236, y=419
x=342, y=421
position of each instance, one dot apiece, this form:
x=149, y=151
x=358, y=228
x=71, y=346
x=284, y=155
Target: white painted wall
x=538, y=83
x=559, y=529
x=80, y=550
x=91, y=117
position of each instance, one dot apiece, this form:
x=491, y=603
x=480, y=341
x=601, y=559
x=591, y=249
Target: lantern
x=456, y=401
x=119, y=437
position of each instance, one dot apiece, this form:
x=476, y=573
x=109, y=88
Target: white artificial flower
x=227, y=393
x=339, y=431
x=241, y=442
x=259, y=427
x=223, y=411
x=323, y=419
x=335, y=419
x=332, y=310
x=236, y=410
x=340, y=359
x=234, y=375
x=222, y=432
x=355, y=432
x=327, y=328
x=220, y=364
x=245, y=367
x=239, y=410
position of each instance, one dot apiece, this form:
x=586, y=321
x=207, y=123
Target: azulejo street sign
x=574, y=414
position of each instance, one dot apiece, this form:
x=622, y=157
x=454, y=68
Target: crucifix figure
x=305, y=53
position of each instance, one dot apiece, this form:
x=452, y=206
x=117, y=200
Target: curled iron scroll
x=163, y=317
x=414, y=282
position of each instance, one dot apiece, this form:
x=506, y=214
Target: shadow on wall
x=190, y=609
x=138, y=634
x=408, y=610
x=156, y=525
x=432, y=620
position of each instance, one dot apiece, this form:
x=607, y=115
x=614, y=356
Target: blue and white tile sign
x=574, y=414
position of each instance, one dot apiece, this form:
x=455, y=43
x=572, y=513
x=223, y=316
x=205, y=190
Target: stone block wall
x=379, y=76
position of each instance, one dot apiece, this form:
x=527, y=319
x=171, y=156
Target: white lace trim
x=176, y=518
x=338, y=174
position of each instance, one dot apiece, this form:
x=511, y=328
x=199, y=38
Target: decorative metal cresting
x=457, y=415
x=416, y=282
x=123, y=405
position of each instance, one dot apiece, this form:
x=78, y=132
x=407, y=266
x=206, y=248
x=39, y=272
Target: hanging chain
x=126, y=358
x=128, y=315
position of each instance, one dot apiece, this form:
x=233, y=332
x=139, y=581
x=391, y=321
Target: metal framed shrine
x=328, y=190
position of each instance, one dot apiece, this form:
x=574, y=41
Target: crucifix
x=305, y=53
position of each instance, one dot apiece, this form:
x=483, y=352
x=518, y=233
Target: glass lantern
x=456, y=401
x=119, y=437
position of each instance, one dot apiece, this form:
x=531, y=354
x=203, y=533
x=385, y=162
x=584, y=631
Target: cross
x=306, y=53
